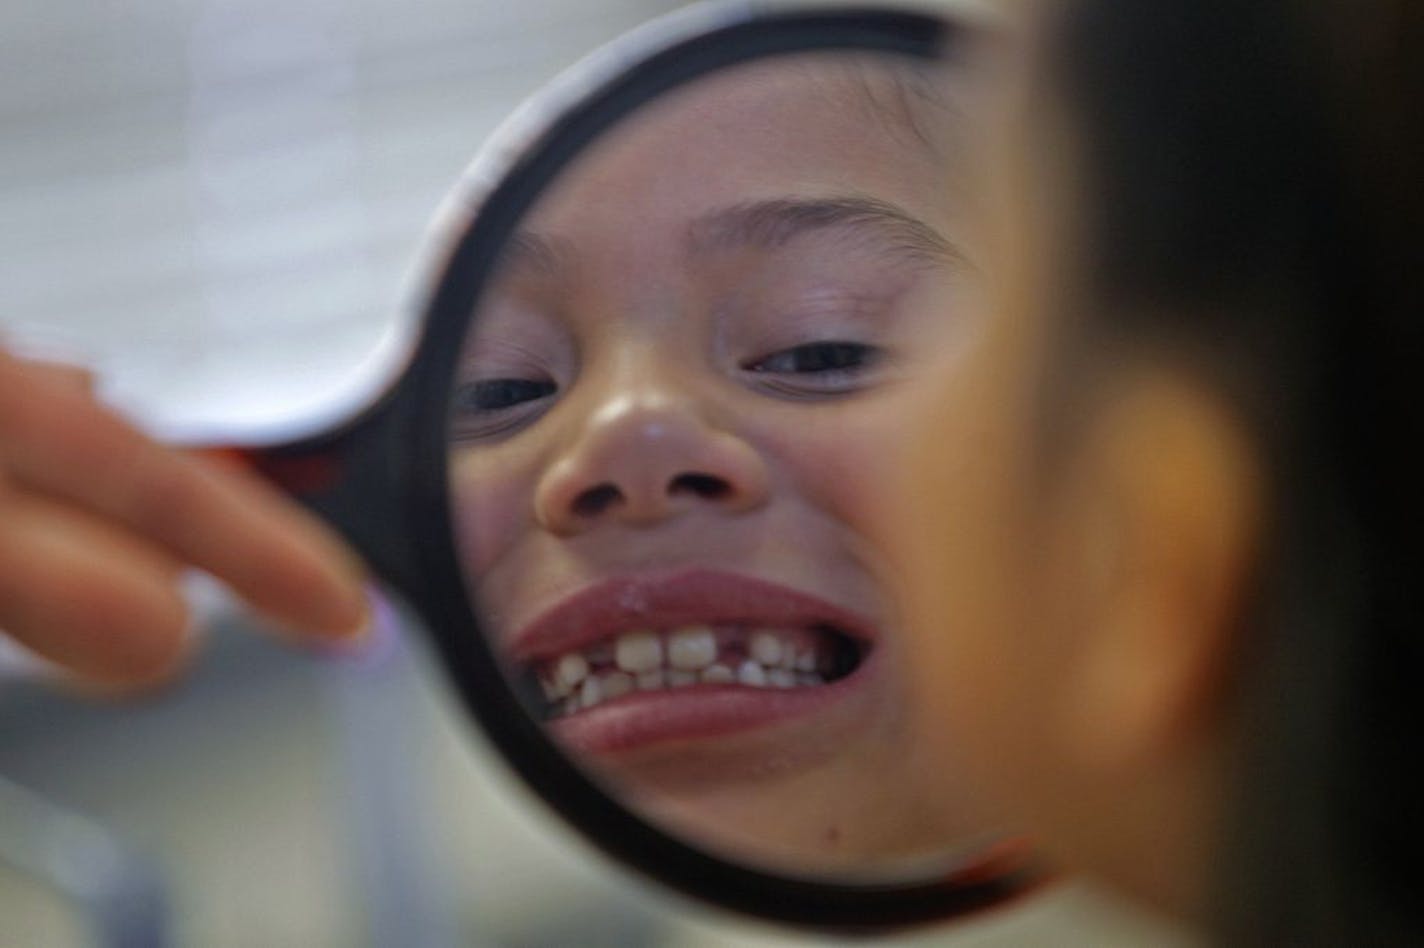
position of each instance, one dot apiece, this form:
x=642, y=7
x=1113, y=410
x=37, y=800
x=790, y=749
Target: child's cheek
x=840, y=461
x=492, y=504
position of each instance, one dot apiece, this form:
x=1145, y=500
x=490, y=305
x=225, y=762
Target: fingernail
x=374, y=639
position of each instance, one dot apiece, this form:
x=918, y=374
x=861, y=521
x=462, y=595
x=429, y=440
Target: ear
x=1160, y=530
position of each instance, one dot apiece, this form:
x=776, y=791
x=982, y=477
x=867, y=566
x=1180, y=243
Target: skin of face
x=1074, y=529
x=662, y=325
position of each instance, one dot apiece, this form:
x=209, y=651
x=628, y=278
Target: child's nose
x=643, y=457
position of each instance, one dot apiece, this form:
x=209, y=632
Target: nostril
x=596, y=500
x=601, y=499
x=705, y=486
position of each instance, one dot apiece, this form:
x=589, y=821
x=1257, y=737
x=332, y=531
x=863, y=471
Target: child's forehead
x=820, y=126
x=917, y=100
x=791, y=109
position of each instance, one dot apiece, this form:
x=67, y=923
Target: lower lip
x=699, y=713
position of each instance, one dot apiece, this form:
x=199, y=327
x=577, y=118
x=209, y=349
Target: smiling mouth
x=695, y=657
x=651, y=661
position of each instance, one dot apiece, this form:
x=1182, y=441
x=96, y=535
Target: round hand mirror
x=635, y=453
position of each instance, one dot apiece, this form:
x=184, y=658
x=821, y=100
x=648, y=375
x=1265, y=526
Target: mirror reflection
x=668, y=440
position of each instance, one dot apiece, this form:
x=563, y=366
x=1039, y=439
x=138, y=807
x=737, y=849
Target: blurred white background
x=216, y=203
x=217, y=200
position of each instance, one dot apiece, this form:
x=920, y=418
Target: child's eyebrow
x=765, y=224
x=773, y=223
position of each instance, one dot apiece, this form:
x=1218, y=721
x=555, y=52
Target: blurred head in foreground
x=1158, y=530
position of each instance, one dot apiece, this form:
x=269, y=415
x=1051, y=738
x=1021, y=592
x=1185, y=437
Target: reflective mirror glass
x=667, y=447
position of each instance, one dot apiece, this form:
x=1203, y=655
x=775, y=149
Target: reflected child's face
x=674, y=413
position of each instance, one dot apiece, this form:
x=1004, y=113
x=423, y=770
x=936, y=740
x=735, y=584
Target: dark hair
x=1252, y=177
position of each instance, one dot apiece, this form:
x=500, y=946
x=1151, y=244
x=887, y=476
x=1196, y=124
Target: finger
x=87, y=596
x=269, y=551
x=77, y=377
x=56, y=357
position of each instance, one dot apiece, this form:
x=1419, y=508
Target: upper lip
x=670, y=599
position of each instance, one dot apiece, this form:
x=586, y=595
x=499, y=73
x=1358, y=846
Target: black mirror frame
x=383, y=481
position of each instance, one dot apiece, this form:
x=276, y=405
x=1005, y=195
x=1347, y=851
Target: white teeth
x=752, y=674
x=572, y=669
x=638, y=651
x=616, y=685
x=647, y=660
x=590, y=694
x=718, y=675
x=766, y=649
x=692, y=648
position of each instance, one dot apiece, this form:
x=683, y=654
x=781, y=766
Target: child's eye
x=494, y=407
x=817, y=368
x=817, y=357
x=493, y=395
